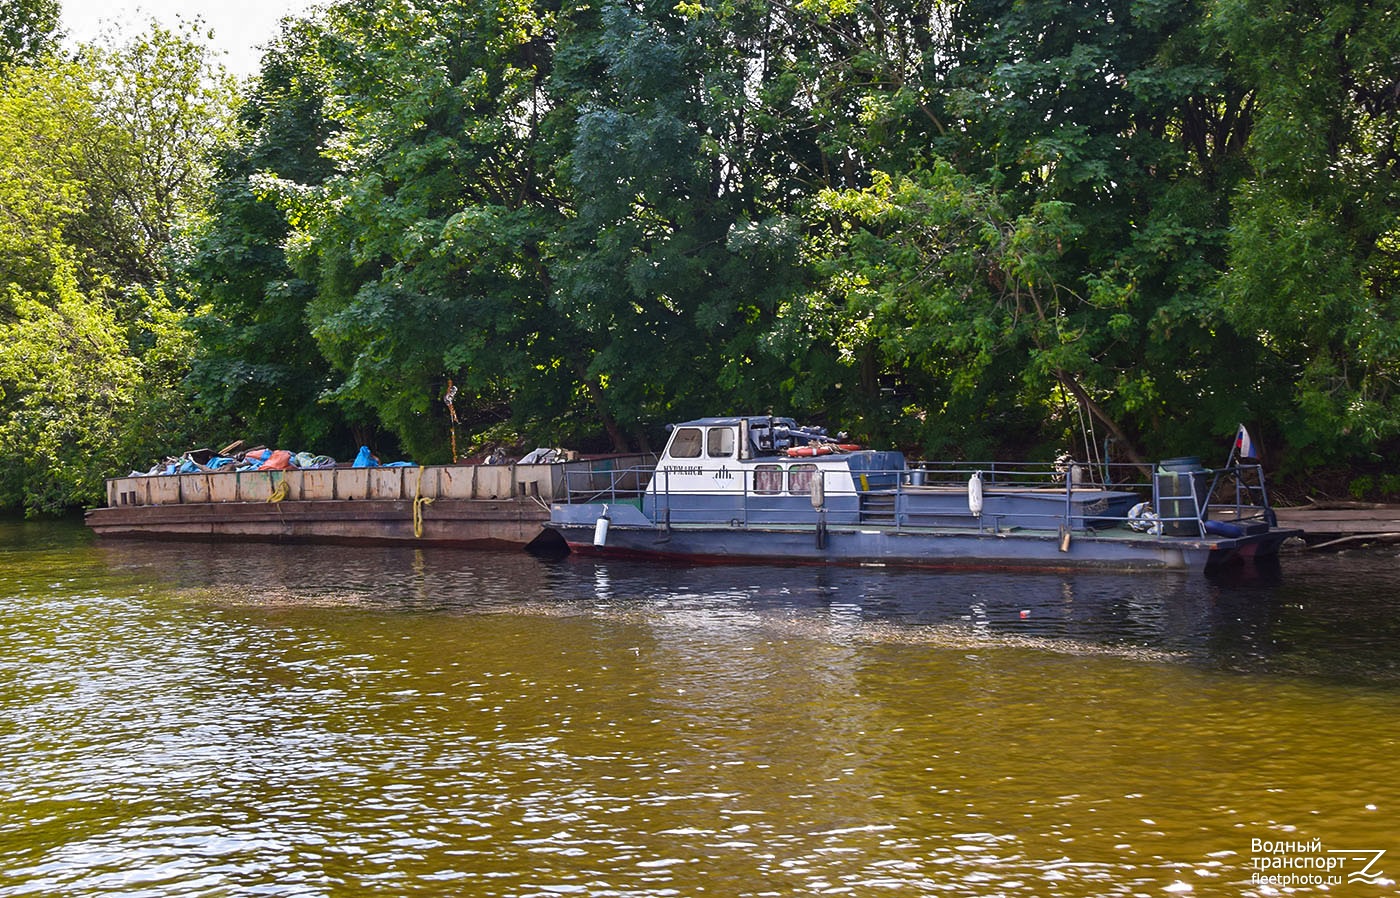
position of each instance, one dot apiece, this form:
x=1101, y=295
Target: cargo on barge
x=477, y=506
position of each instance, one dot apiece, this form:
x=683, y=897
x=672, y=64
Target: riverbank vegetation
x=974, y=228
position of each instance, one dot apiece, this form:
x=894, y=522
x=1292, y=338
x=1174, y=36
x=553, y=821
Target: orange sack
x=279, y=460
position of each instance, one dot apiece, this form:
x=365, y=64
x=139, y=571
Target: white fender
x=600, y=529
x=974, y=494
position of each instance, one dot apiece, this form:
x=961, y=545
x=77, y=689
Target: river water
x=254, y=720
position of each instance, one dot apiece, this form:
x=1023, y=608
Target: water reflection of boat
x=760, y=487
x=1078, y=610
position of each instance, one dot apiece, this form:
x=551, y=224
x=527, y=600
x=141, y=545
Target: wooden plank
x=1343, y=521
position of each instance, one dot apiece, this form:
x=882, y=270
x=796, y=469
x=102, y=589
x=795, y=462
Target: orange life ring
x=848, y=447
x=808, y=451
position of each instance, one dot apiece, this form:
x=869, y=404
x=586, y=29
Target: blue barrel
x=1175, y=480
x=1185, y=463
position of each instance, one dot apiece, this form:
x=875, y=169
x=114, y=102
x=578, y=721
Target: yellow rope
x=419, y=500
x=279, y=492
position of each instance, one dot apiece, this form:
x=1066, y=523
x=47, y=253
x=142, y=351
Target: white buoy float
x=974, y=494
x=600, y=529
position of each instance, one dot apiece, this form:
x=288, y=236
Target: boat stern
x=588, y=523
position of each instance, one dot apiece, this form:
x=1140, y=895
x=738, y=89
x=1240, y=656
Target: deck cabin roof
x=734, y=420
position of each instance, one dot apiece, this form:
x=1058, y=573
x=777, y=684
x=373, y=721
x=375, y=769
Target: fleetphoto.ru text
x=1285, y=862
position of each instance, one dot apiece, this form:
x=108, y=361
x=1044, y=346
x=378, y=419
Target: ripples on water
x=260, y=720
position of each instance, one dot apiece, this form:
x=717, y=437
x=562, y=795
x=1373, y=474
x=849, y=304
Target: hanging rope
x=279, y=492
x=450, y=397
x=1092, y=457
x=419, y=500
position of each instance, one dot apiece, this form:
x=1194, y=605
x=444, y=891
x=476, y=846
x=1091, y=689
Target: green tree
x=546, y=206
x=42, y=113
x=970, y=226
x=656, y=294
x=29, y=31
x=258, y=364
x=101, y=173
x=160, y=102
x=1119, y=118
x=67, y=383
x=1315, y=248
x=424, y=247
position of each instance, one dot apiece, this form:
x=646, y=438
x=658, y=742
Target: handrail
x=1249, y=500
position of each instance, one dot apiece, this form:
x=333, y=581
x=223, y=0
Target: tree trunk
x=595, y=395
x=1082, y=396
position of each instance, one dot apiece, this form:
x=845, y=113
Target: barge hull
x=446, y=522
x=1041, y=550
x=473, y=506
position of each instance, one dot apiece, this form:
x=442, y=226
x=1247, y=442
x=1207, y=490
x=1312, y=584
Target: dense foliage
x=974, y=228
x=28, y=31
x=101, y=180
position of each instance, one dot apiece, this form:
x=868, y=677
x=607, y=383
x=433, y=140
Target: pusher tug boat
x=763, y=488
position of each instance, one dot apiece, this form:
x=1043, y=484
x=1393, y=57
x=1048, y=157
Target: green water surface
x=326, y=721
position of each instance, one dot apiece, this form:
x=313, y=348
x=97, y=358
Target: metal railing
x=1180, y=501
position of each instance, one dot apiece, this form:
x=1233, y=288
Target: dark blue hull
x=1120, y=549
x=706, y=501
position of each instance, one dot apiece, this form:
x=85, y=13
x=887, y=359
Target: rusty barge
x=474, y=506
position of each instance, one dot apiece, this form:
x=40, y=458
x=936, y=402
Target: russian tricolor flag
x=1244, y=445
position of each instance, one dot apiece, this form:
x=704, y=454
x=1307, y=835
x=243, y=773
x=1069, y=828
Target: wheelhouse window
x=686, y=443
x=720, y=442
x=800, y=478
x=768, y=479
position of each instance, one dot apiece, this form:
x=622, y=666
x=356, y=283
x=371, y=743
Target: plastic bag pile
x=198, y=461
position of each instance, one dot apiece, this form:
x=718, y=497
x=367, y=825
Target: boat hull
x=1040, y=550
x=760, y=488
